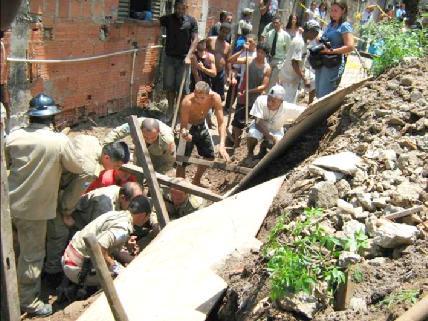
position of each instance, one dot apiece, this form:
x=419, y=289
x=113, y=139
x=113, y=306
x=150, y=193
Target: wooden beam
x=143, y=159
x=177, y=183
x=105, y=278
x=404, y=213
x=10, y=309
x=214, y=164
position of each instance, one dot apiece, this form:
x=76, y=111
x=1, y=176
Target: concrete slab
x=174, y=278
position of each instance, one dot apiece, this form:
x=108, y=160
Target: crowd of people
x=63, y=189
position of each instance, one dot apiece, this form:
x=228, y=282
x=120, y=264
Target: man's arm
x=120, y=132
x=184, y=119
x=211, y=72
x=218, y=108
x=262, y=126
x=194, y=43
x=109, y=260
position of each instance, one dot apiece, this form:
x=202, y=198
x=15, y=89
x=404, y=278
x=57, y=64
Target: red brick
x=36, y=6
x=50, y=7
x=63, y=8
x=75, y=8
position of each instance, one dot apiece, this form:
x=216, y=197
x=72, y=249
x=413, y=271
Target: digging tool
x=180, y=93
x=105, y=278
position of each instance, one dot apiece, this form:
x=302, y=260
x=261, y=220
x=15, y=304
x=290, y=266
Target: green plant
x=394, y=44
x=357, y=243
x=405, y=296
x=302, y=253
x=357, y=275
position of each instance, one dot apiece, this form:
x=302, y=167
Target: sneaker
x=43, y=311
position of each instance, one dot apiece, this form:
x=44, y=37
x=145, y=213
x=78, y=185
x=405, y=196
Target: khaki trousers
x=56, y=242
x=32, y=242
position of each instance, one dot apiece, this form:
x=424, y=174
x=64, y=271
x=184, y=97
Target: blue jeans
x=327, y=80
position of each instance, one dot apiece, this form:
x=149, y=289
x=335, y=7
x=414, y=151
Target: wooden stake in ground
x=180, y=93
x=418, y=312
x=105, y=278
x=143, y=160
x=247, y=77
x=10, y=309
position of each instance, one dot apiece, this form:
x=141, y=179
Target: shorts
x=218, y=83
x=173, y=73
x=255, y=133
x=201, y=138
x=239, y=117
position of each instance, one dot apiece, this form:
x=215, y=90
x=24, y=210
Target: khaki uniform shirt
x=192, y=204
x=95, y=203
x=72, y=185
x=37, y=156
x=162, y=152
x=112, y=231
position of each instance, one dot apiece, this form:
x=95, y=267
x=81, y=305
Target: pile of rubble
x=370, y=175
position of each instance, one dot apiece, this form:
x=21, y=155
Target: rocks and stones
x=378, y=261
x=329, y=176
x=351, y=227
x=406, y=194
x=344, y=162
x=323, y=194
x=365, y=200
x=406, y=81
x=356, y=212
x=389, y=158
x=390, y=235
x=346, y=258
x=371, y=250
x=300, y=303
x=358, y=305
x=343, y=187
x=415, y=95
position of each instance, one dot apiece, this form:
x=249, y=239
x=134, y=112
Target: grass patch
x=405, y=296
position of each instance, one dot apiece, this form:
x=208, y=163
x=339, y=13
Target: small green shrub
x=301, y=254
x=405, y=296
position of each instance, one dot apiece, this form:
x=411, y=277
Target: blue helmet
x=43, y=106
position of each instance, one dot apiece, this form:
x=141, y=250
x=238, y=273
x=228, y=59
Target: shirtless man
x=221, y=50
x=194, y=109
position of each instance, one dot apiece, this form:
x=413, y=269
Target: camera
x=317, y=59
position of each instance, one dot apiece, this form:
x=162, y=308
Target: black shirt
x=178, y=34
x=264, y=21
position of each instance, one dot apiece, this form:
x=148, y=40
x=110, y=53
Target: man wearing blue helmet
x=36, y=158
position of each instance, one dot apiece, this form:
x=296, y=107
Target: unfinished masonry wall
x=64, y=29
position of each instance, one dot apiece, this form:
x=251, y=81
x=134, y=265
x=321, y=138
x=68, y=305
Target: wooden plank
x=105, y=278
x=10, y=309
x=177, y=183
x=404, y=213
x=143, y=159
x=214, y=164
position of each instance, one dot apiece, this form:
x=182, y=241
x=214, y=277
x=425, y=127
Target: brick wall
x=82, y=28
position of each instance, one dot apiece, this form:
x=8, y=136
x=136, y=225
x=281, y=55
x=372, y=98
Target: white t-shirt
x=297, y=52
x=278, y=118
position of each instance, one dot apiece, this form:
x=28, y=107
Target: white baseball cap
x=277, y=91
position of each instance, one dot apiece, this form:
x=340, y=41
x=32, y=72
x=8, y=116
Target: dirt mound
x=383, y=127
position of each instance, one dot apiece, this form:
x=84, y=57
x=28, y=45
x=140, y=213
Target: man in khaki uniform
x=179, y=203
x=158, y=137
x=112, y=230
x=103, y=200
x=36, y=158
x=93, y=158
